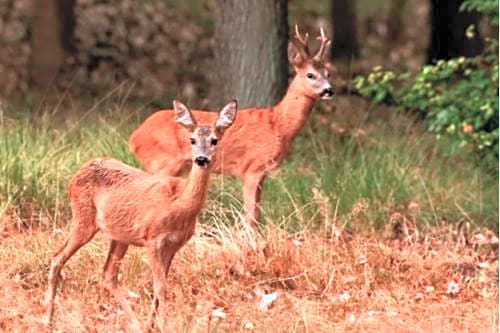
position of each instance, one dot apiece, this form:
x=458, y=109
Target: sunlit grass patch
x=39, y=153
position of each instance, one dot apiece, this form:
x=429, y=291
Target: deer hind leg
x=252, y=189
x=81, y=233
x=160, y=261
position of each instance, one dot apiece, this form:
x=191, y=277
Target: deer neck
x=293, y=110
x=193, y=196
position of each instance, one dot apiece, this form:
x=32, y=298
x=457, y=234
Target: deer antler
x=302, y=41
x=324, y=43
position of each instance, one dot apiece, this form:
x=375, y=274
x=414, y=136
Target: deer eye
x=193, y=141
x=214, y=142
x=310, y=76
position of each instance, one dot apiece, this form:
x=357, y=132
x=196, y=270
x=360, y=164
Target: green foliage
x=458, y=97
x=378, y=86
x=487, y=7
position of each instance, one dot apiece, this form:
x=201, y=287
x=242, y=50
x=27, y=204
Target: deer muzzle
x=327, y=93
x=201, y=161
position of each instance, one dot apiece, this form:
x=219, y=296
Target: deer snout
x=201, y=161
x=327, y=93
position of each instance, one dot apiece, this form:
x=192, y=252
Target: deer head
x=311, y=68
x=204, y=139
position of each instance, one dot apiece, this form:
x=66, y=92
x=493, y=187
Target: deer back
x=259, y=139
x=126, y=203
x=249, y=145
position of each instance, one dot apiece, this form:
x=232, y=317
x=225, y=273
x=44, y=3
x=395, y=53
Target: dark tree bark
x=448, y=26
x=250, y=51
x=345, y=38
x=51, y=39
x=395, y=21
x=66, y=15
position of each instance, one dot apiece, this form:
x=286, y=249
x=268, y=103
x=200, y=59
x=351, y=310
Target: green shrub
x=458, y=97
x=487, y=7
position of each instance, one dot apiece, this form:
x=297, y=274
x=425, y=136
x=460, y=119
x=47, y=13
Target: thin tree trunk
x=51, y=39
x=250, y=51
x=448, y=26
x=395, y=21
x=345, y=38
x=66, y=15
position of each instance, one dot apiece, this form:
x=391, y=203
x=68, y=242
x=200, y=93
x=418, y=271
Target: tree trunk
x=345, y=38
x=395, y=21
x=250, y=51
x=448, y=27
x=51, y=39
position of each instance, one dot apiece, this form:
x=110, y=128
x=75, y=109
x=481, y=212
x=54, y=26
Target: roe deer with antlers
x=132, y=207
x=259, y=140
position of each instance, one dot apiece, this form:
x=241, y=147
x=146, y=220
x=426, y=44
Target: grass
x=39, y=152
x=365, y=228
x=377, y=160
x=381, y=163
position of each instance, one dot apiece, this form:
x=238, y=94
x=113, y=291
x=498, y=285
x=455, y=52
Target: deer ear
x=294, y=55
x=183, y=116
x=226, y=116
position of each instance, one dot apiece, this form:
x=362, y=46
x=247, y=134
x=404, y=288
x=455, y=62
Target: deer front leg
x=115, y=255
x=160, y=260
x=110, y=279
x=252, y=189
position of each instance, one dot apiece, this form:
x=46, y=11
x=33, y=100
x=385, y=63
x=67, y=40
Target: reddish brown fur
x=107, y=185
x=257, y=143
x=133, y=207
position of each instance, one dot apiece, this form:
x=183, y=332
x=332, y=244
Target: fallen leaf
x=453, y=288
x=267, y=300
x=132, y=294
x=219, y=313
x=344, y=297
x=248, y=325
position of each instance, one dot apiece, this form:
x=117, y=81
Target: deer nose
x=201, y=161
x=327, y=92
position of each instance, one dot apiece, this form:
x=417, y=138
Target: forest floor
x=307, y=282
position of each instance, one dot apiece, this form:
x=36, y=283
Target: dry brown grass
x=348, y=282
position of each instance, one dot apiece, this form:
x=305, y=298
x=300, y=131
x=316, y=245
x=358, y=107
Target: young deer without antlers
x=132, y=207
x=259, y=140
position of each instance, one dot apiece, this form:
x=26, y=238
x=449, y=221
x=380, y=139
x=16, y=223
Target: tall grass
x=378, y=166
x=39, y=152
x=384, y=172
